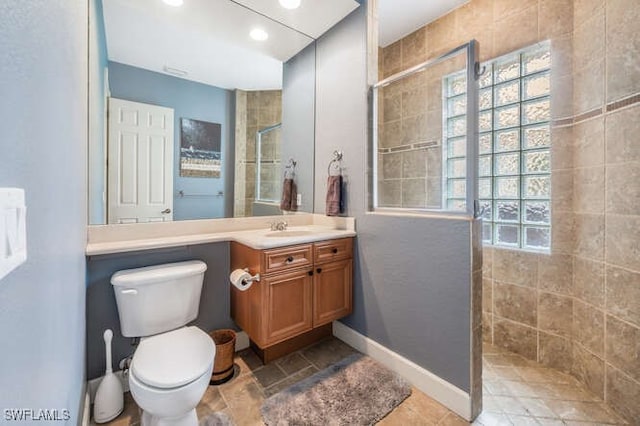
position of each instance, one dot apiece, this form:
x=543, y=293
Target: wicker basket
x=225, y=341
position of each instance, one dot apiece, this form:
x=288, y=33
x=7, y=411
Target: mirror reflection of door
x=140, y=166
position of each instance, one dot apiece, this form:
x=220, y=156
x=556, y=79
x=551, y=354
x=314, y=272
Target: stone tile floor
x=516, y=392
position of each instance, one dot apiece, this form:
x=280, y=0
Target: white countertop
x=305, y=228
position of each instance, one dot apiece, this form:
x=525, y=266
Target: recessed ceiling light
x=259, y=34
x=174, y=3
x=290, y=4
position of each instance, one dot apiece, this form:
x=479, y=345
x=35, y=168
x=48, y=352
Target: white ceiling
x=398, y=18
x=209, y=39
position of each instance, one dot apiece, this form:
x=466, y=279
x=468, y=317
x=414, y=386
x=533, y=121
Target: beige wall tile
x=622, y=130
x=414, y=164
x=414, y=193
x=555, y=273
x=588, y=88
x=589, y=369
x=391, y=134
x=487, y=324
x=623, y=48
x=515, y=303
x=514, y=30
x=588, y=327
x=441, y=35
x=515, y=267
x=517, y=338
x=623, y=235
x=504, y=8
x=555, y=352
x=588, y=281
x=414, y=101
x=623, y=346
x=391, y=166
x=562, y=95
x=487, y=261
x=589, y=235
x=392, y=58
x=391, y=107
x=414, y=48
x=589, y=143
x=623, y=394
x=414, y=129
x=588, y=40
x=623, y=188
x=487, y=295
x=623, y=294
x=588, y=190
x=556, y=18
x=562, y=147
x=563, y=232
x=390, y=193
x=561, y=190
x=555, y=314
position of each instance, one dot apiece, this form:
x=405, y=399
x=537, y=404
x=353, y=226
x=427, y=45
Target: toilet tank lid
x=152, y=274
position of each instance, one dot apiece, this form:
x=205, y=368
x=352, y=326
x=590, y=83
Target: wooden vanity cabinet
x=302, y=289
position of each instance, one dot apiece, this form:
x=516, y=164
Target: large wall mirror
x=199, y=109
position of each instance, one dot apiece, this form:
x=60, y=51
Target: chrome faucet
x=279, y=226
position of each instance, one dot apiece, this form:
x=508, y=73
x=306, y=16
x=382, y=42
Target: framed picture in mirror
x=200, y=144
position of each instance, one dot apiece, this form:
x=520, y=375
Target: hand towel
x=334, y=195
x=289, y=195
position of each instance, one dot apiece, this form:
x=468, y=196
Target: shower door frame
x=472, y=74
x=259, y=134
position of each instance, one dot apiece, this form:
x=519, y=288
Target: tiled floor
x=516, y=392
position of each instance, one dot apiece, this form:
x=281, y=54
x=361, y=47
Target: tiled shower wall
x=578, y=307
x=255, y=110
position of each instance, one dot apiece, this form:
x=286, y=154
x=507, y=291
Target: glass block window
x=514, y=169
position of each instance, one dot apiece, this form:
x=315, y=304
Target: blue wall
x=189, y=100
x=102, y=311
x=43, y=149
x=97, y=113
x=411, y=274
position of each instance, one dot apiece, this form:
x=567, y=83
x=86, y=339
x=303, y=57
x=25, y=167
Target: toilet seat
x=173, y=359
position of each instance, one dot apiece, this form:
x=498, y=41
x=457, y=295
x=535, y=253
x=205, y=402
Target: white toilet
x=172, y=365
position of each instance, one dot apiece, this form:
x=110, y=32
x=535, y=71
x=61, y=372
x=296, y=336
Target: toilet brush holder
x=109, y=401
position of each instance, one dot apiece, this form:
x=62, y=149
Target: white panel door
x=140, y=165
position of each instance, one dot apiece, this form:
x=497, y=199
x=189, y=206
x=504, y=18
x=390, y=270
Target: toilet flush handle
x=131, y=291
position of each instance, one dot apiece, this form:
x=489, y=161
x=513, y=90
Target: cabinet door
x=332, y=289
x=288, y=305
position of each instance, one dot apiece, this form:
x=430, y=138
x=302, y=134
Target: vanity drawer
x=288, y=258
x=331, y=250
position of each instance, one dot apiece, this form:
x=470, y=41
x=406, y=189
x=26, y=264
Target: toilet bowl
x=172, y=365
x=169, y=374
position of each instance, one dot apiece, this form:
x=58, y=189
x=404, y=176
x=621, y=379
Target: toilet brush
x=109, y=400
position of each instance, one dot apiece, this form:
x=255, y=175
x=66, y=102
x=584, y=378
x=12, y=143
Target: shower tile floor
x=516, y=392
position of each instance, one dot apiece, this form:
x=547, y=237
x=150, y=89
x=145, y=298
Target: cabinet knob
x=319, y=270
x=334, y=250
x=310, y=273
x=290, y=259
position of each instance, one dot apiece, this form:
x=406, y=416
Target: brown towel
x=289, y=196
x=334, y=195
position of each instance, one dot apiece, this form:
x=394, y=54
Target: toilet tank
x=155, y=299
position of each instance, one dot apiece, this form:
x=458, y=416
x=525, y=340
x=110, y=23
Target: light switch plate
x=13, y=230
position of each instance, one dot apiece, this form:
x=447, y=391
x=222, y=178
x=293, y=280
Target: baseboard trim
x=442, y=391
x=86, y=409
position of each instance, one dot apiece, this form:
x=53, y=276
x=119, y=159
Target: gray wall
x=189, y=100
x=411, y=275
x=43, y=146
x=102, y=311
x=298, y=120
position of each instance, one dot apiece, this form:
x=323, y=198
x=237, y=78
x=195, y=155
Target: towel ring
x=291, y=168
x=337, y=160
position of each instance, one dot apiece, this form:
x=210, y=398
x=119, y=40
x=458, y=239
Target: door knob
x=166, y=211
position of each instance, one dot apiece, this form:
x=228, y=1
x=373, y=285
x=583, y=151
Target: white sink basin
x=288, y=234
